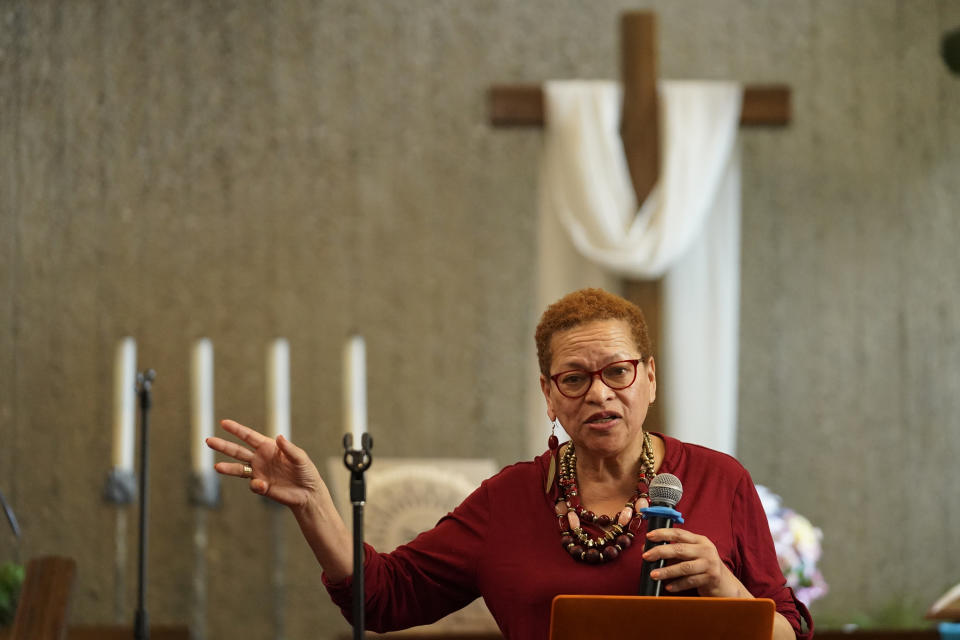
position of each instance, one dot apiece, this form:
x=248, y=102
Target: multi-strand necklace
x=615, y=534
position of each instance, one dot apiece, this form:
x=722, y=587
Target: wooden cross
x=522, y=105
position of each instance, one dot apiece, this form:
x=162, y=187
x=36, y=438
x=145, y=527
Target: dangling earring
x=553, y=442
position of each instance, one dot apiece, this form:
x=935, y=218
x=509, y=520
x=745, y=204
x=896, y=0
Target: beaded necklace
x=616, y=533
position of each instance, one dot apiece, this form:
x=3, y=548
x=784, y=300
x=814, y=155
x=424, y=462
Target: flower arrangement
x=797, y=543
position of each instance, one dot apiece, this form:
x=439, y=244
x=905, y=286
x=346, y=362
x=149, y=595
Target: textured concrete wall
x=243, y=170
x=850, y=318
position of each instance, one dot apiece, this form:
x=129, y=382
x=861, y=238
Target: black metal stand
x=358, y=461
x=141, y=625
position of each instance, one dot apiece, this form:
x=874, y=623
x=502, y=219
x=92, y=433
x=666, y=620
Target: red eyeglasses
x=616, y=375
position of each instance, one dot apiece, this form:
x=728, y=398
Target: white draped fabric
x=688, y=231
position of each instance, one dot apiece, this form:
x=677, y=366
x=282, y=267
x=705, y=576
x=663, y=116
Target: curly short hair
x=587, y=305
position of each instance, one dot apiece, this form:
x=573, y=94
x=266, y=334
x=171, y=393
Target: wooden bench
x=44, y=599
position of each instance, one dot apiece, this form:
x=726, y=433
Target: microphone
x=665, y=492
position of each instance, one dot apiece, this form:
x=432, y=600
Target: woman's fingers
x=231, y=449
x=679, y=570
x=248, y=435
x=694, y=581
x=673, y=535
x=292, y=451
x=675, y=551
x=683, y=545
x=237, y=469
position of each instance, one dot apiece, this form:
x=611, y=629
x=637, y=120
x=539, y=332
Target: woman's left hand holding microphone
x=692, y=563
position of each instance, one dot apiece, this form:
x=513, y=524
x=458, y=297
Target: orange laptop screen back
x=666, y=618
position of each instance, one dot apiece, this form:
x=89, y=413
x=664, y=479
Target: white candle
x=124, y=403
x=355, y=388
x=201, y=374
x=278, y=388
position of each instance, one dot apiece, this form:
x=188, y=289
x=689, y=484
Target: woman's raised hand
x=284, y=473
x=277, y=468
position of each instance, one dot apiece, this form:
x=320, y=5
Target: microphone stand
x=358, y=461
x=141, y=627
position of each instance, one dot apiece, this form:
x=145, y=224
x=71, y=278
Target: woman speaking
x=567, y=522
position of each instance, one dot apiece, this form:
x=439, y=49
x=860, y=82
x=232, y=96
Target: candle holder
x=204, y=495
x=205, y=489
x=120, y=487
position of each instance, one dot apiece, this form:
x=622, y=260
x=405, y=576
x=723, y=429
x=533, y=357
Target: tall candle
x=124, y=403
x=278, y=388
x=355, y=388
x=201, y=374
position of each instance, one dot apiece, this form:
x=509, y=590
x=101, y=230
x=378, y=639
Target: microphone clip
x=662, y=512
x=357, y=461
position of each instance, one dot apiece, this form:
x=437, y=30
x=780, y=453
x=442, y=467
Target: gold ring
x=247, y=471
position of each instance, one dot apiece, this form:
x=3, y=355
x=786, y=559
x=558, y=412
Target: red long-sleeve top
x=503, y=544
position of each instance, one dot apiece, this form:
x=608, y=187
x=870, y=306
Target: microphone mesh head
x=667, y=489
